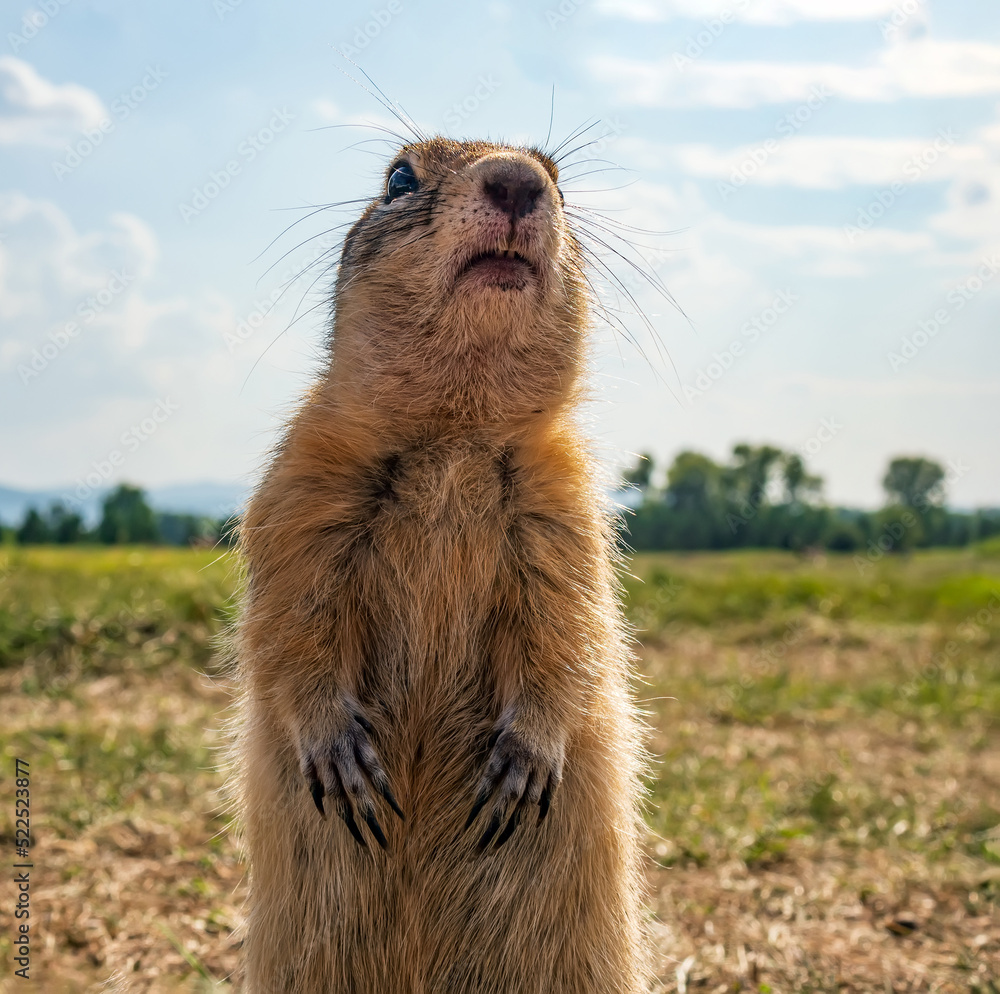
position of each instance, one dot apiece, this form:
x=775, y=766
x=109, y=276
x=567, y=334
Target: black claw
x=364, y=723
x=491, y=829
x=543, y=804
x=508, y=831
x=348, y=815
x=386, y=792
x=492, y=741
x=317, y=791
x=376, y=829
x=484, y=795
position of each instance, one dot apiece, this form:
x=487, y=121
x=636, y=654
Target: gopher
x=437, y=759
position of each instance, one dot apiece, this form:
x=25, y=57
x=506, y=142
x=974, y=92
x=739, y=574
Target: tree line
x=126, y=518
x=764, y=497
x=761, y=497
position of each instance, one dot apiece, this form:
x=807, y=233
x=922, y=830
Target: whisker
x=552, y=116
x=305, y=241
x=395, y=109
x=312, y=213
x=580, y=148
x=374, y=126
x=578, y=133
x=650, y=277
x=601, y=216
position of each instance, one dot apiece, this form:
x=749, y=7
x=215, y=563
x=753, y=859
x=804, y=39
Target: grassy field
x=824, y=804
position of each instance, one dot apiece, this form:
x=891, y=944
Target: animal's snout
x=513, y=187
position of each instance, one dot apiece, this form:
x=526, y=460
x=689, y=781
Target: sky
x=815, y=182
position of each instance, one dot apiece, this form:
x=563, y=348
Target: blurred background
x=820, y=180
x=804, y=423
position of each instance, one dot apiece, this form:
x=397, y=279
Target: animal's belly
x=429, y=674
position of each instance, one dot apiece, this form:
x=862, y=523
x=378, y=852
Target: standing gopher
x=437, y=759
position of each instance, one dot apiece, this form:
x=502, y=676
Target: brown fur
x=429, y=559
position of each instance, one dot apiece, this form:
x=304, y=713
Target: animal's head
x=461, y=287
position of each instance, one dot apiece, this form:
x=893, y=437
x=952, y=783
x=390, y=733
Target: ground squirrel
x=437, y=767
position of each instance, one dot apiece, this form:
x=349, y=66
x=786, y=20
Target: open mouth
x=507, y=270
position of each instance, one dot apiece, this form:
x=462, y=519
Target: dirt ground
x=821, y=818
x=154, y=894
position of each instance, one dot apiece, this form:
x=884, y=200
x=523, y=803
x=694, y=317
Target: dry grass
x=830, y=850
x=825, y=799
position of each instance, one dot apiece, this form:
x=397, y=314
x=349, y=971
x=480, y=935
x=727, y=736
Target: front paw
x=344, y=767
x=521, y=770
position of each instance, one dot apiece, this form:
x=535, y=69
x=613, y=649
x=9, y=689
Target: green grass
x=772, y=588
x=82, y=612
x=911, y=652
x=823, y=737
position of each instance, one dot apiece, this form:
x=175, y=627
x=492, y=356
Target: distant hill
x=215, y=500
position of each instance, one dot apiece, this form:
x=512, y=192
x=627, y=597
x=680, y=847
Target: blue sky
x=822, y=178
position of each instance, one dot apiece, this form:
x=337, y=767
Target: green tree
x=127, y=517
x=747, y=481
x=66, y=526
x=914, y=481
x=799, y=485
x=750, y=473
x=692, y=498
x=693, y=483
x=34, y=529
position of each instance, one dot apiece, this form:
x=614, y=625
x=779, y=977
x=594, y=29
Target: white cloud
x=100, y=282
x=35, y=111
x=972, y=211
x=758, y=244
x=831, y=162
x=327, y=111
x=90, y=344
x=912, y=68
x=751, y=11
x=47, y=267
x=81, y=306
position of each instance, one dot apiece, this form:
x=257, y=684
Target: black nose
x=515, y=191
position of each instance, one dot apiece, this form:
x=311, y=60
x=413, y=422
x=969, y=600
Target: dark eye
x=402, y=180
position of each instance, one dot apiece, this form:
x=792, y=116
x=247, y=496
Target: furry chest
x=441, y=531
